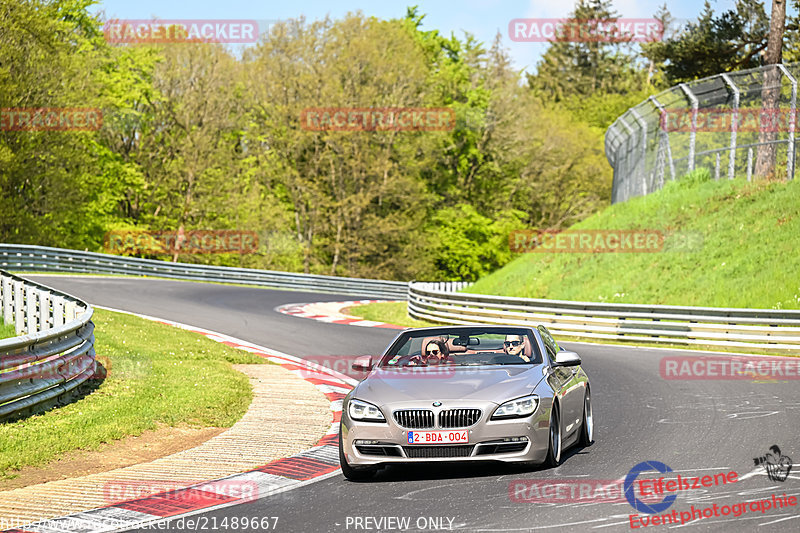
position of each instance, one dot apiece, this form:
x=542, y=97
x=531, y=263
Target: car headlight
x=521, y=407
x=367, y=412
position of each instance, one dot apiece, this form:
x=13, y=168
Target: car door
x=571, y=392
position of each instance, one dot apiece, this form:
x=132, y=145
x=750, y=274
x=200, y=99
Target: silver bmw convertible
x=465, y=393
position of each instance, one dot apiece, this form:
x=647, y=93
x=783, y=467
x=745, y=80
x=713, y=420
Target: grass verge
x=750, y=235
x=6, y=330
x=157, y=375
x=389, y=312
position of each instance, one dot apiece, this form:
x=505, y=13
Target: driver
x=435, y=352
x=514, y=345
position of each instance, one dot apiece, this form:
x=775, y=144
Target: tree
x=588, y=66
x=733, y=40
x=771, y=89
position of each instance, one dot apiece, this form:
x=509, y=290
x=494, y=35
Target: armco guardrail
x=55, y=353
x=713, y=326
x=29, y=258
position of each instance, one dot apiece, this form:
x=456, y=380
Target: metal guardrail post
x=19, y=310
x=8, y=299
x=58, y=311
x=45, y=320
x=693, y=134
x=790, y=152
x=31, y=311
x=734, y=124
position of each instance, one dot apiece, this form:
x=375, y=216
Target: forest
x=204, y=136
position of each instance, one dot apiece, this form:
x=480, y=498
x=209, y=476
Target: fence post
x=790, y=162
x=627, y=172
x=693, y=134
x=734, y=124
x=665, y=135
x=643, y=125
x=750, y=164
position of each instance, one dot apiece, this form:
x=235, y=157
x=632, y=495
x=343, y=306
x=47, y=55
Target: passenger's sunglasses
x=432, y=352
x=512, y=343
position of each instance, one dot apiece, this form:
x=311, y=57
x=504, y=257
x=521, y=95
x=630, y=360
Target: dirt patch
x=147, y=447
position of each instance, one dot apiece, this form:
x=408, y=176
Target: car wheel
x=587, y=429
x=554, y=449
x=350, y=472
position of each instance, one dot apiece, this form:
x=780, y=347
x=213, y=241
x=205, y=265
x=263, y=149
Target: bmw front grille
x=414, y=418
x=459, y=418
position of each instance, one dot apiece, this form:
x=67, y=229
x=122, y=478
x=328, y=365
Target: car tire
x=350, y=472
x=587, y=427
x=554, y=445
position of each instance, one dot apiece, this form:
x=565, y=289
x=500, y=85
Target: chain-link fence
x=738, y=124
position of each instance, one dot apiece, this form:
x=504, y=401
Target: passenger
x=435, y=353
x=514, y=345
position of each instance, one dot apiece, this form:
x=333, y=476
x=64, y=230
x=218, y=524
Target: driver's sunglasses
x=512, y=343
x=432, y=352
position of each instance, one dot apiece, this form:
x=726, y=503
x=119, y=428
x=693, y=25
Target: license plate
x=438, y=437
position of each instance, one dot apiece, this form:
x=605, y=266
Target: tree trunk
x=771, y=92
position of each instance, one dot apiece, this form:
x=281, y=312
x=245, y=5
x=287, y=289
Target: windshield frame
x=455, y=331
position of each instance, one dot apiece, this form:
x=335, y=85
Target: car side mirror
x=362, y=363
x=567, y=359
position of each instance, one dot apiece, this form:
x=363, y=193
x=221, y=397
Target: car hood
x=491, y=384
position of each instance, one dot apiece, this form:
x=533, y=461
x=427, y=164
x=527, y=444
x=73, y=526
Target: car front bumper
x=510, y=440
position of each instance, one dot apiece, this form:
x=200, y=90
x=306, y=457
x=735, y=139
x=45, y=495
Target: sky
x=482, y=18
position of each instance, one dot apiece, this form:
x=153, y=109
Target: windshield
x=463, y=347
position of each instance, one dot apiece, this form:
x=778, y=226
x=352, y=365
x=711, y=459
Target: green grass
x=748, y=258
x=6, y=331
x=389, y=312
x=157, y=374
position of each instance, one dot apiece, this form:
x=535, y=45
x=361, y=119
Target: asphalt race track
x=696, y=427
